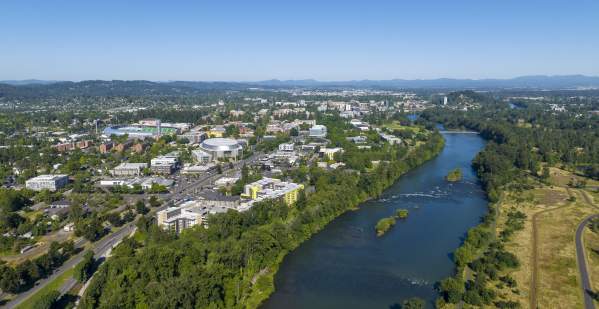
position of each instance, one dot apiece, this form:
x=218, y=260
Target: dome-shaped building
x=222, y=148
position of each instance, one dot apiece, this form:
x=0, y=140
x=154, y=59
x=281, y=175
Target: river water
x=347, y=266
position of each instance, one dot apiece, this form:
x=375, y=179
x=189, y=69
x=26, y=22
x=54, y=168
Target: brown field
x=556, y=221
x=558, y=273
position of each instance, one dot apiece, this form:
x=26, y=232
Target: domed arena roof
x=220, y=144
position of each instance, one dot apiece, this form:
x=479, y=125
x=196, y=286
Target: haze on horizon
x=336, y=40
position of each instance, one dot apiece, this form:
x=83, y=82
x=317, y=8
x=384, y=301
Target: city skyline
x=335, y=41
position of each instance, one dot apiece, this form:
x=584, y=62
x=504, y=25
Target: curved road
x=582, y=263
x=581, y=256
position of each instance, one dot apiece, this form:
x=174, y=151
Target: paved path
x=585, y=282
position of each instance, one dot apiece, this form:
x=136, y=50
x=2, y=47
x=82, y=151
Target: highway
x=182, y=189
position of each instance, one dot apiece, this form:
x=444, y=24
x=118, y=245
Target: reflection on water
x=347, y=266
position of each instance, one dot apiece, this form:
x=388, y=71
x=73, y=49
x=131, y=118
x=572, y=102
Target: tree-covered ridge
x=520, y=139
x=232, y=262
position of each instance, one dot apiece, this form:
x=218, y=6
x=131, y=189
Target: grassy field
x=54, y=285
x=556, y=217
x=558, y=271
x=395, y=125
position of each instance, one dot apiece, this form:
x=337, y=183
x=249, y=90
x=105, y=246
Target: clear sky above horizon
x=324, y=40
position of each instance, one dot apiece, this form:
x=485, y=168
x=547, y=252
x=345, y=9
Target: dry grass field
x=556, y=217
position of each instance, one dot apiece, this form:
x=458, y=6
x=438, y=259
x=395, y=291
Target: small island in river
x=454, y=175
x=386, y=223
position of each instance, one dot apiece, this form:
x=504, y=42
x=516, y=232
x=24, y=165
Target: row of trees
x=23, y=276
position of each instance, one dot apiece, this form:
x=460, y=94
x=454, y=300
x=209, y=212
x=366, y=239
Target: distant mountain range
x=41, y=88
x=533, y=81
x=27, y=82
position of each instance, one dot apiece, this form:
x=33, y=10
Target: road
x=582, y=263
x=109, y=241
x=585, y=281
x=100, y=248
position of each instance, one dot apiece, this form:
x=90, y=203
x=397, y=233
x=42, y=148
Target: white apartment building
x=50, y=182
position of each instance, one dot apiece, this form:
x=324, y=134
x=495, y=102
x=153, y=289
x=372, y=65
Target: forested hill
x=114, y=88
x=37, y=89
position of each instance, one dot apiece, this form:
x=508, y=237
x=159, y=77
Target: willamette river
x=347, y=266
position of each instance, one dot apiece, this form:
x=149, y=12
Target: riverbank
x=347, y=266
x=421, y=154
x=523, y=253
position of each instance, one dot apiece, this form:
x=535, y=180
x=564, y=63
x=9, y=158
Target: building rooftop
x=48, y=177
x=214, y=195
x=131, y=165
x=221, y=144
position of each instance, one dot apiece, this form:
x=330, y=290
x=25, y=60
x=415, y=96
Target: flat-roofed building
x=201, y=156
x=391, y=139
x=198, y=169
x=165, y=164
x=214, y=198
x=50, y=182
x=329, y=153
x=129, y=169
x=225, y=181
x=218, y=131
x=319, y=131
x=177, y=219
x=194, y=137
x=286, y=147
x=187, y=215
x=272, y=188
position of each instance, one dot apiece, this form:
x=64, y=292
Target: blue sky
x=325, y=40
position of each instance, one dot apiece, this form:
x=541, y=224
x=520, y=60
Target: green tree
x=413, y=303
x=84, y=269
x=141, y=208
x=47, y=301
x=452, y=289
x=154, y=202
